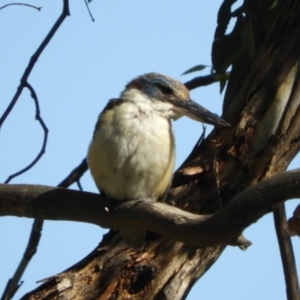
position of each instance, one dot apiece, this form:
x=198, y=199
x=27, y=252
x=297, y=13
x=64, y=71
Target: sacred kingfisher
x=132, y=152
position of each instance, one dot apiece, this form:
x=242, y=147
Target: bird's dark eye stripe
x=164, y=89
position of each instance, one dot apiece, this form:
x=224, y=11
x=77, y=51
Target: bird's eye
x=165, y=89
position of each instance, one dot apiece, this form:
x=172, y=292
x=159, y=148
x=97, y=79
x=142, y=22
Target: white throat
x=149, y=104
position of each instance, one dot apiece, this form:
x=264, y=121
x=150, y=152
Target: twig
x=34, y=59
x=205, y=80
x=29, y=5
x=88, y=8
x=13, y=283
x=79, y=185
x=287, y=253
x=74, y=175
x=45, y=129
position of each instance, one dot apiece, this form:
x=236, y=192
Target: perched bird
x=132, y=152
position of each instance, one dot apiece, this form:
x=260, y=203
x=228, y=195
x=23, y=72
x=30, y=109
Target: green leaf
x=194, y=69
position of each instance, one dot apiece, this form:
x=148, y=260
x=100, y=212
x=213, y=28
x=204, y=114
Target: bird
x=132, y=152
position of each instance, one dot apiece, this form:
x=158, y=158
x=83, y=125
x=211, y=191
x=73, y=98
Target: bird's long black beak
x=198, y=113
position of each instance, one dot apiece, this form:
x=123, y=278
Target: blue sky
x=86, y=64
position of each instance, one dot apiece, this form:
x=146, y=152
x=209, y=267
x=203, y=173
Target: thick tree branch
x=51, y=203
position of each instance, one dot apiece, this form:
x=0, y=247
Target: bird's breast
x=132, y=152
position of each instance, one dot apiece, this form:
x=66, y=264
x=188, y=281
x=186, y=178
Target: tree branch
x=43, y=202
x=13, y=283
x=75, y=174
x=34, y=58
x=25, y=4
x=44, y=128
x=89, y=11
x=287, y=253
x=206, y=80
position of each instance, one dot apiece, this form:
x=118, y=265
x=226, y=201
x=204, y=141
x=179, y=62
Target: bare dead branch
x=287, y=253
x=79, y=185
x=45, y=129
x=13, y=284
x=75, y=174
x=34, y=58
x=88, y=9
x=24, y=4
x=51, y=203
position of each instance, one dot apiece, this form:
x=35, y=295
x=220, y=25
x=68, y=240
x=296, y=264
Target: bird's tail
x=133, y=237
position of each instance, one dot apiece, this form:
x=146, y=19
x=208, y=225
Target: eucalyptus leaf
x=195, y=69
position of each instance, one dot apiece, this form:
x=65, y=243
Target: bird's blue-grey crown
x=160, y=87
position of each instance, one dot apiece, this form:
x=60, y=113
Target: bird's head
x=172, y=96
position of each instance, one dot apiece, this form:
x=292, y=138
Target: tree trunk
x=264, y=112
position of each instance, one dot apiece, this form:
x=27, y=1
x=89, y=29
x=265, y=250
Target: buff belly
x=132, y=156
